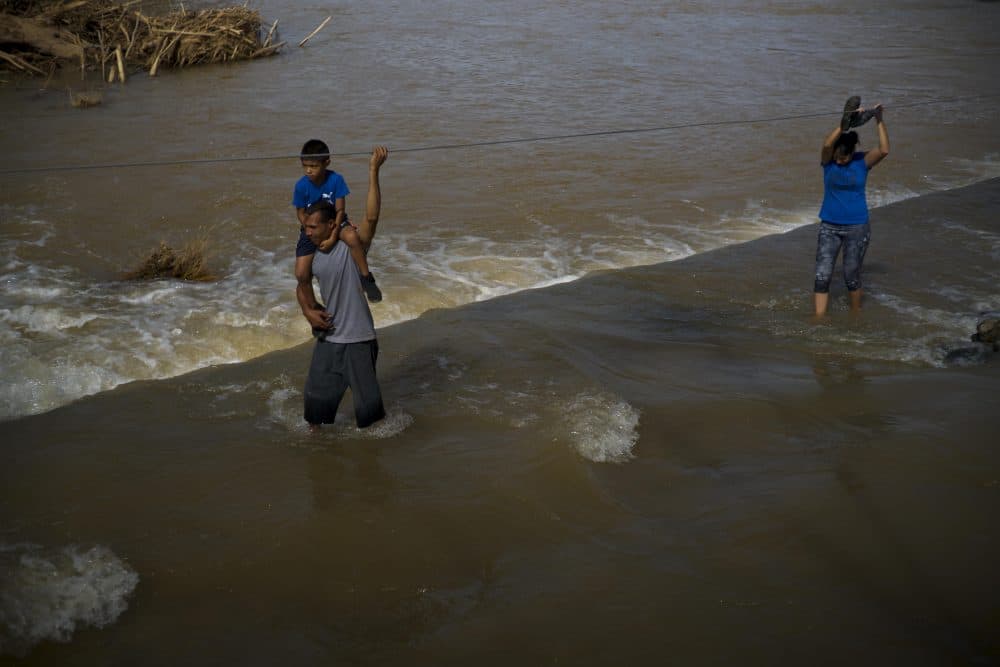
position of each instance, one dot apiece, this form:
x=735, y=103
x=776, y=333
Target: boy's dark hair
x=314, y=148
x=326, y=210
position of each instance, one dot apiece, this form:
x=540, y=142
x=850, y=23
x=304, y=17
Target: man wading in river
x=346, y=348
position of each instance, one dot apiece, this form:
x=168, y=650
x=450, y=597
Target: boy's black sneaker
x=860, y=119
x=372, y=291
x=850, y=112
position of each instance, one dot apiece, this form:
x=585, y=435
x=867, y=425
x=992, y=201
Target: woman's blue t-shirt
x=844, y=192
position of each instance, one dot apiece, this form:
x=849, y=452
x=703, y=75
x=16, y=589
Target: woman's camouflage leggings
x=854, y=239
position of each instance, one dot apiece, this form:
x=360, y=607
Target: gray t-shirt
x=340, y=288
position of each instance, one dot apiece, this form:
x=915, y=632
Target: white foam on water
x=74, y=336
x=285, y=409
x=918, y=334
x=47, y=594
x=942, y=331
x=757, y=219
x=601, y=427
x=447, y=271
x=66, y=336
x=395, y=422
x=33, y=292
x=454, y=369
x=642, y=242
x=879, y=196
x=491, y=400
x=969, y=171
x=979, y=236
x=44, y=318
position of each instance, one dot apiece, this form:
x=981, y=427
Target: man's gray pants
x=334, y=368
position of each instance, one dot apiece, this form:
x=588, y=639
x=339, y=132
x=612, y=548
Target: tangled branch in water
x=164, y=262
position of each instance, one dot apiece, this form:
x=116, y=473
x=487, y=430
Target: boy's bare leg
x=353, y=241
x=326, y=245
x=373, y=203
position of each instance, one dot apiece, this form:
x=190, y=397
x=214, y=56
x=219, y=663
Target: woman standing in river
x=844, y=214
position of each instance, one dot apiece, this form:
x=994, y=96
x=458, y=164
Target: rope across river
x=479, y=144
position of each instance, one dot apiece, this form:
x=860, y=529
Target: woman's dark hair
x=845, y=144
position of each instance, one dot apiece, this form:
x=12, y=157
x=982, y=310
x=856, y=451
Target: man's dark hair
x=326, y=210
x=314, y=149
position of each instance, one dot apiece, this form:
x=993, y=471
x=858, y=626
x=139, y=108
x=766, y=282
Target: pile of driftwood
x=37, y=36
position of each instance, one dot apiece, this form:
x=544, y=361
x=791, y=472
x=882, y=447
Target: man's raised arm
x=373, y=203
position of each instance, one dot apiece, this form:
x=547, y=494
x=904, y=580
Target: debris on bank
x=37, y=37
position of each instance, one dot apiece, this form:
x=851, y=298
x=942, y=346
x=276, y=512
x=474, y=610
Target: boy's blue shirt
x=307, y=193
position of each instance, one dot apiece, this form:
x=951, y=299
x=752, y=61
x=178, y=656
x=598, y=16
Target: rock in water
x=988, y=332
